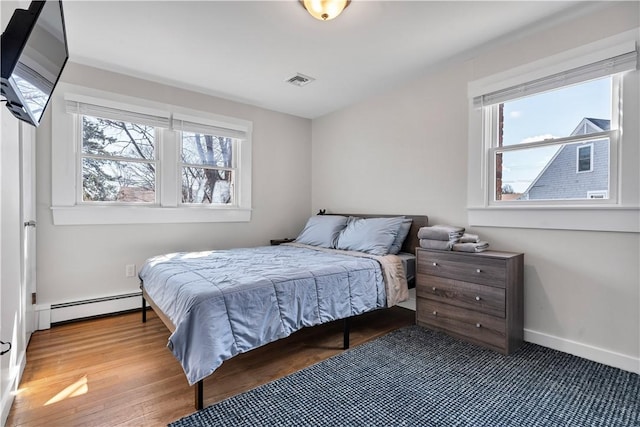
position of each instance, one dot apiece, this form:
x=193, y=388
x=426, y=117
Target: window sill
x=624, y=219
x=102, y=215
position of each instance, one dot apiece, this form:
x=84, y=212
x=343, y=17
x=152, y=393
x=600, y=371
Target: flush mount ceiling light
x=325, y=10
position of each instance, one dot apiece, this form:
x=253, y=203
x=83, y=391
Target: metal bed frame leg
x=144, y=309
x=347, y=327
x=199, y=389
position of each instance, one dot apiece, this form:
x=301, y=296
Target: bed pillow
x=403, y=232
x=371, y=235
x=322, y=230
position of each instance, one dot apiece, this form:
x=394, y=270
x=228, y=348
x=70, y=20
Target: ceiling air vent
x=300, y=80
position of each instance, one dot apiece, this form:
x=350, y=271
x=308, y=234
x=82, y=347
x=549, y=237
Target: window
x=207, y=169
x=140, y=162
x=539, y=137
x=210, y=164
x=118, y=161
x=585, y=156
x=550, y=145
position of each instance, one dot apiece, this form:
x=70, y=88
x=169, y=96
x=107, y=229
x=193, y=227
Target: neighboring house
x=134, y=194
x=576, y=171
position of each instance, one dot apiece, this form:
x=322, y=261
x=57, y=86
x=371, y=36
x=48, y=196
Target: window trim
x=65, y=205
x=620, y=213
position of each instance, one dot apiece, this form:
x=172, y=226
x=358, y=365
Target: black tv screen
x=34, y=53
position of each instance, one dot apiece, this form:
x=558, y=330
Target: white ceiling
x=245, y=50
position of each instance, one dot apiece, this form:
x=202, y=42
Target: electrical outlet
x=130, y=270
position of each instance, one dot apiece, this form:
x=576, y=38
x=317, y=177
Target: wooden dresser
x=477, y=297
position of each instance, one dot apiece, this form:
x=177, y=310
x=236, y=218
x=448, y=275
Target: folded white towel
x=469, y=238
x=441, y=232
x=470, y=247
x=441, y=245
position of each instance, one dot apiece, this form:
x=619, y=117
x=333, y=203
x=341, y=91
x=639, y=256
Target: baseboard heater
x=88, y=308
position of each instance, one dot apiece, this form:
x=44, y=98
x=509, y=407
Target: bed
x=218, y=304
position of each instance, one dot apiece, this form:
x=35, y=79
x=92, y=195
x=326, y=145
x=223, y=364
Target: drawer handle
x=478, y=325
x=478, y=271
x=434, y=289
x=435, y=264
x=435, y=313
x=478, y=298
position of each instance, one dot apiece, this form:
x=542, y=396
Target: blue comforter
x=227, y=302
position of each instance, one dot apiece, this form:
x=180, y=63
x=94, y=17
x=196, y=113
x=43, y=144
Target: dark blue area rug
x=416, y=377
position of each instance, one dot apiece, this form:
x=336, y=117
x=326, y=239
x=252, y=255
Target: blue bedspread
x=227, y=302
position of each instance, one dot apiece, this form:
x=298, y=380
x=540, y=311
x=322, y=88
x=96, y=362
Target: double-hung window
x=117, y=160
x=550, y=141
x=208, y=162
x=147, y=163
x=538, y=137
x=536, y=132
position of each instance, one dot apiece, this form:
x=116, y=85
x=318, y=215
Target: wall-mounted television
x=34, y=53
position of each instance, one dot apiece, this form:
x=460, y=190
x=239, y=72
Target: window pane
x=116, y=181
x=584, y=158
x=201, y=185
x=575, y=110
x=548, y=173
x=104, y=137
x=206, y=150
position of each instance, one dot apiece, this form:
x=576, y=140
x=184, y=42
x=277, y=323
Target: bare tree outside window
x=119, y=164
x=207, y=172
x=118, y=161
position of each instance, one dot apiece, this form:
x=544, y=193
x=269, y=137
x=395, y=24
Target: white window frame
x=490, y=115
x=621, y=212
x=233, y=169
x=182, y=122
x=67, y=206
x=79, y=186
x=590, y=147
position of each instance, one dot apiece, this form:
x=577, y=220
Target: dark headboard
x=411, y=242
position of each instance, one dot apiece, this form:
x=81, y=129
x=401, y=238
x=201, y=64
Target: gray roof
x=601, y=123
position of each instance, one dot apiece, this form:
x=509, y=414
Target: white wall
x=581, y=288
x=83, y=262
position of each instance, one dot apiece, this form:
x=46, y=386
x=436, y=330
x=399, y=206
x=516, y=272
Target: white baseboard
x=9, y=394
x=49, y=314
x=597, y=354
x=43, y=316
x=600, y=355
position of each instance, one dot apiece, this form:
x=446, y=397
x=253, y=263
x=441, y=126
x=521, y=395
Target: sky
x=553, y=114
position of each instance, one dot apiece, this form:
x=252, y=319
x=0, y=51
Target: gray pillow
x=371, y=235
x=402, y=234
x=322, y=230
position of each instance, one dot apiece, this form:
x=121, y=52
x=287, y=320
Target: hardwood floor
x=117, y=371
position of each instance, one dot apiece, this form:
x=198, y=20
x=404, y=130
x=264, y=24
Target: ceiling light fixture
x=325, y=10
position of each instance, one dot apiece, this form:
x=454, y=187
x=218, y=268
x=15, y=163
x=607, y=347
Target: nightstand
x=477, y=297
x=275, y=242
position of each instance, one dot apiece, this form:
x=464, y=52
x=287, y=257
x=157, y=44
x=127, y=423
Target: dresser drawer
x=474, y=269
x=475, y=326
x=482, y=298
